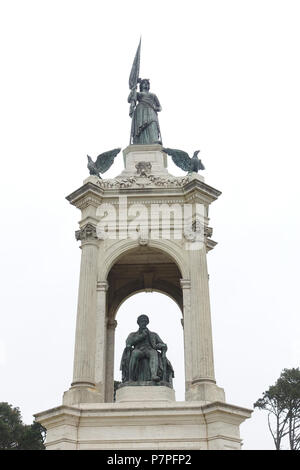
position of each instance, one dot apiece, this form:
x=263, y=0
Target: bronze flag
x=135, y=69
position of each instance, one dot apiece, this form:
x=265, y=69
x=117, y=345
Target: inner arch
x=143, y=268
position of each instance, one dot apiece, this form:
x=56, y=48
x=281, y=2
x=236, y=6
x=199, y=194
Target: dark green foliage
x=282, y=401
x=14, y=435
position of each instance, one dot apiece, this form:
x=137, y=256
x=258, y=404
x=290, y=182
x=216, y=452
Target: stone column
x=186, y=322
x=110, y=353
x=84, y=356
x=83, y=384
x=100, y=356
x=199, y=361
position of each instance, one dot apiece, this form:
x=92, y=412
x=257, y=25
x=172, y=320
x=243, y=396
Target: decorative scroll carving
x=197, y=230
x=208, y=231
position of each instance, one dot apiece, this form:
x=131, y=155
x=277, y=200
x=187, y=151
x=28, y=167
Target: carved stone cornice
x=210, y=244
x=205, y=189
x=87, y=201
x=88, y=194
x=86, y=233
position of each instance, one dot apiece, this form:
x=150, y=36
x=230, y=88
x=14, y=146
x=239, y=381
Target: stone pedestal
x=136, y=394
x=144, y=425
x=152, y=154
x=81, y=394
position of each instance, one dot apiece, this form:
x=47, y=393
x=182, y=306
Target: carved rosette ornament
x=143, y=168
x=86, y=233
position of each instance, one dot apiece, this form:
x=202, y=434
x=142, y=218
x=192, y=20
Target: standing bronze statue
x=144, y=360
x=144, y=107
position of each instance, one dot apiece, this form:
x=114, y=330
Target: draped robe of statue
x=145, y=126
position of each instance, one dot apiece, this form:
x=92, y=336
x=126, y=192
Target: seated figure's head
x=142, y=321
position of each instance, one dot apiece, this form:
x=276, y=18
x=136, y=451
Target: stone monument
x=130, y=243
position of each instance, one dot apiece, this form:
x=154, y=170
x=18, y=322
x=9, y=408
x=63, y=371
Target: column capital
x=102, y=286
x=185, y=283
x=87, y=233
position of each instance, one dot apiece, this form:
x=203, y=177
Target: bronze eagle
x=103, y=162
x=183, y=161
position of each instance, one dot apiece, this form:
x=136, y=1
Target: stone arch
x=131, y=267
x=116, y=306
x=142, y=268
x=120, y=247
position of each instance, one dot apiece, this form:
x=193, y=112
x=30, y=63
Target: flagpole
x=133, y=80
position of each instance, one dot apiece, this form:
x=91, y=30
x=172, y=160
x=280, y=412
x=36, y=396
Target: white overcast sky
x=227, y=75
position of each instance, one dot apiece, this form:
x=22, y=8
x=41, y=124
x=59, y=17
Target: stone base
x=140, y=393
x=204, y=391
x=76, y=395
x=153, y=154
x=144, y=425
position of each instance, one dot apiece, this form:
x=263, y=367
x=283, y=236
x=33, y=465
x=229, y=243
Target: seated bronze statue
x=144, y=358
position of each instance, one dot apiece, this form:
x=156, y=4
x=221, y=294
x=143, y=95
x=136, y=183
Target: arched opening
x=141, y=269
x=165, y=319
x=134, y=275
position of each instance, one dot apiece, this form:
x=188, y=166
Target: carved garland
x=144, y=180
